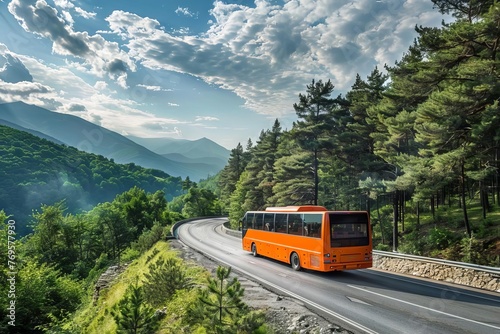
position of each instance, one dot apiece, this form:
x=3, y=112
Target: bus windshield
x=348, y=229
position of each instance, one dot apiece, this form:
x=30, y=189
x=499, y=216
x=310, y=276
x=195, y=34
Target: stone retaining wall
x=439, y=271
x=434, y=270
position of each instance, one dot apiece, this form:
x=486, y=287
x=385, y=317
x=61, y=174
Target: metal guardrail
x=463, y=265
x=173, y=229
x=491, y=270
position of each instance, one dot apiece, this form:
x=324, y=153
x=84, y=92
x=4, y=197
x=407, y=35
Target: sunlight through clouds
x=225, y=59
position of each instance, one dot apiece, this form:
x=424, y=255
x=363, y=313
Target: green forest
x=417, y=145
x=52, y=272
x=68, y=215
x=35, y=171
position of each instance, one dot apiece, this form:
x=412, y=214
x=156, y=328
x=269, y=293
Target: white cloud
x=83, y=13
x=99, y=56
x=184, y=11
x=30, y=92
x=101, y=85
x=59, y=89
x=64, y=4
x=268, y=54
x=205, y=118
x=154, y=88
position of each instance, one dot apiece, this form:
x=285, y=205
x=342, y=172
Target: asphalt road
x=364, y=301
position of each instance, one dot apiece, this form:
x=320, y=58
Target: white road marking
x=356, y=300
x=423, y=307
x=372, y=271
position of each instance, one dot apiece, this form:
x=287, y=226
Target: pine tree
x=132, y=315
x=294, y=184
x=164, y=278
x=314, y=111
x=236, y=164
x=223, y=301
x=455, y=123
x=261, y=169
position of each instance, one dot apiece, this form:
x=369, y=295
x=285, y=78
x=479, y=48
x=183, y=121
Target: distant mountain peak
x=86, y=136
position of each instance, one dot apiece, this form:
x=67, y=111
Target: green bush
x=441, y=238
x=413, y=243
x=383, y=247
x=149, y=237
x=163, y=280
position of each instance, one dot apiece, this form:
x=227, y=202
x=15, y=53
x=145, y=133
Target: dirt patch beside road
x=284, y=314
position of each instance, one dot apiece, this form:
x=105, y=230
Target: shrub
x=164, y=278
x=441, y=238
x=413, y=243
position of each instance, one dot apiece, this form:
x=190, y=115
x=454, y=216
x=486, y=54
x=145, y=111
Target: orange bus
x=310, y=237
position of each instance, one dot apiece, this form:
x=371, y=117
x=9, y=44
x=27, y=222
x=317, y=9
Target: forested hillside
x=35, y=171
x=417, y=145
x=92, y=138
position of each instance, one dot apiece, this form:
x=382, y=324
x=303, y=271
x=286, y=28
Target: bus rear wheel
x=254, y=250
x=295, y=261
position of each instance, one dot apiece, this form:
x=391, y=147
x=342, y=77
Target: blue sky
x=188, y=69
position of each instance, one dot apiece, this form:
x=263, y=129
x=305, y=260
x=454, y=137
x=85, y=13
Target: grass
x=97, y=318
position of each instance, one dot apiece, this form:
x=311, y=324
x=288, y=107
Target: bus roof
x=297, y=208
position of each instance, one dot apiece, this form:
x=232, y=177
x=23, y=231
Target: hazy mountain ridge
x=31, y=131
x=202, y=150
x=89, y=137
x=35, y=170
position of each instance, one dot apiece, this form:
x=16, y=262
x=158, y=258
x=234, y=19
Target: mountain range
x=194, y=159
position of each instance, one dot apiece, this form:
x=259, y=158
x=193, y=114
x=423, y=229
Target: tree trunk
x=418, y=215
x=433, y=208
x=483, y=196
x=402, y=214
x=464, y=201
x=316, y=178
x=395, y=220
x=380, y=221
x=497, y=187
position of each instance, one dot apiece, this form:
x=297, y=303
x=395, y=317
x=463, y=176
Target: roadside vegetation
x=196, y=303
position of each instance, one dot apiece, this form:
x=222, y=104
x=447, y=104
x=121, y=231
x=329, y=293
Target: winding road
x=363, y=301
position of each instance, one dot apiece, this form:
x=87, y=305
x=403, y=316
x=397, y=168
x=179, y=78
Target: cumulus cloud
x=12, y=70
x=267, y=54
x=99, y=56
x=24, y=90
x=76, y=107
x=58, y=89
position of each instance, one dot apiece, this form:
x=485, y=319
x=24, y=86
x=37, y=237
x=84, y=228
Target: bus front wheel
x=254, y=250
x=295, y=261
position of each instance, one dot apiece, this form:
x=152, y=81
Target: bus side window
x=248, y=221
x=295, y=224
x=313, y=224
x=269, y=221
x=280, y=222
x=259, y=223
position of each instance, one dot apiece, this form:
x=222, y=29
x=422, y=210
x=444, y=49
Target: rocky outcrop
x=448, y=272
x=106, y=278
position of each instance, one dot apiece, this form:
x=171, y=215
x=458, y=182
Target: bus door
x=246, y=223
